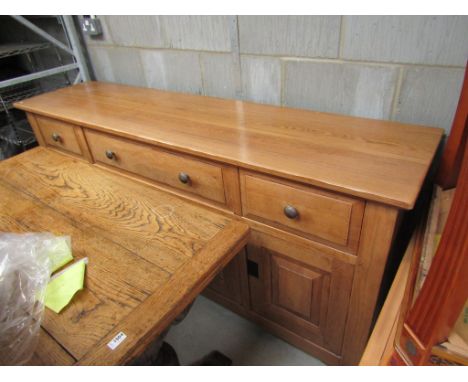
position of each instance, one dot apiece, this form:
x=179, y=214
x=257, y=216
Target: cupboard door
x=302, y=290
x=230, y=283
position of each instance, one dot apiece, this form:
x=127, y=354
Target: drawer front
x=303, y=210
x=201, y=178
x=59, y=134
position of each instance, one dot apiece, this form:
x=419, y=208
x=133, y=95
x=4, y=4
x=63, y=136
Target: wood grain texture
x=51, y=353
x=173, y=248
x=377, y=235
x=35, y=127
x=282, y=332
x=347, y=176
x=232, y=189
x=81, y=138
x=231, y=286
x=110, y=293
x=67, y=139
x=376, y=160
x=379, y=348
x=444, y=293
x=319, y=250
x=228, y=282
x=308, y=298
x=322, y=215
x=205, y=179
x=162, y=307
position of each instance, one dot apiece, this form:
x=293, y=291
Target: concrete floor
x=209, y=326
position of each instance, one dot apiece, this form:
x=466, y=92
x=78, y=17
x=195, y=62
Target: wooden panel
x=206, y=179
x=435, y=310
x=142, y=223
x=228, y=282
x=376, y=160
x=307, y=251
x=376, y=238
x=297, y=289
x=80, y=136
x=162, y=307
x=232, y=189
x=282, y=332
x=322, y=215
x=174, y=248
x=67, y=139
x=110, y=293
x=35, y=127
x=309, y=299
x=379, y=349
x=49, y=352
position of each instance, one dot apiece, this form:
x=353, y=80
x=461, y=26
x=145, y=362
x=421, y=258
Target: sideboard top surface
x=376, y=160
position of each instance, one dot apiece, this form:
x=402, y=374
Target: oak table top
x=377, y=160
x=150, y=253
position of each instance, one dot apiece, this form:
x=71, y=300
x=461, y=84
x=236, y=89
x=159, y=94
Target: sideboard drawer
x=59, y=134
x=303, y=210
x=175, y=170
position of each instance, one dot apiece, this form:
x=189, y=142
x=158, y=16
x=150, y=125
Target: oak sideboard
x=323, y=194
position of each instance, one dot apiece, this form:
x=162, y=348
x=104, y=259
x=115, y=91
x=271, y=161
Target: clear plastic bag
x=26, y=262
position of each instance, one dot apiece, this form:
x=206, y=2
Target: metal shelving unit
x=15, y=132
x=23, y=135
x=9, y=50
x=16, y=93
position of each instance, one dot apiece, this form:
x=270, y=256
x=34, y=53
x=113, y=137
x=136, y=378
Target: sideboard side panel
x=37, y=132
x=377, y=234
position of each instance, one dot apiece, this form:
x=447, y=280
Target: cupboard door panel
x=297, y=289
x=308, y=298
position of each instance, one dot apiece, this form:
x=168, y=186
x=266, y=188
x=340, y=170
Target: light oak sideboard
x=322, y=193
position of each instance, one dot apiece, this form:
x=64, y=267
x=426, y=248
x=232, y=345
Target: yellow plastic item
x=63, y=286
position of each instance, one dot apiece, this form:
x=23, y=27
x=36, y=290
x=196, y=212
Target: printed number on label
x=117, y=340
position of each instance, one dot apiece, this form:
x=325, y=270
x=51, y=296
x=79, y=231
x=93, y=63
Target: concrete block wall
x=403, y=68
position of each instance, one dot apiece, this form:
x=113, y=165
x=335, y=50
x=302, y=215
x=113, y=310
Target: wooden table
x=150, y=253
